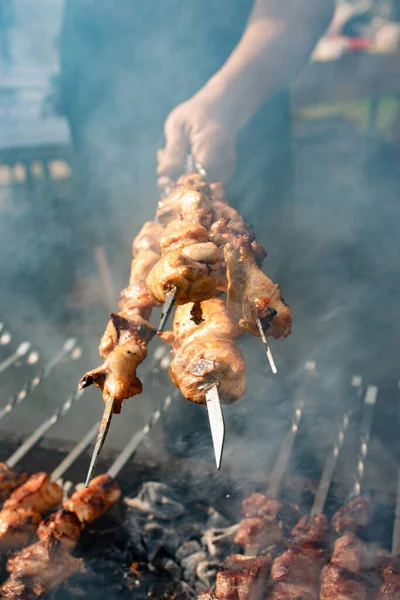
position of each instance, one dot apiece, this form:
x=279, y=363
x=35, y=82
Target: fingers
x=171, y=159
x=216, y=153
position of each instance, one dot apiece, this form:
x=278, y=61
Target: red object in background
x=359, y=44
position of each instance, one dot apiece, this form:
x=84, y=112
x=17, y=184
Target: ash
x=156, y=544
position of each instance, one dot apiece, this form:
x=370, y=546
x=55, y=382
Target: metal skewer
x=29, y=386
x=267, y=346
x=43, y=429
x=105, y=426
x=11, y=360
x=76, y=451
x=396, y=526
x=216, y=420
x=5, y=336
x=326, y=477
x=166, y=309
x=365, y=433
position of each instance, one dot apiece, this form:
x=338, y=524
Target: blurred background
x=77, y=180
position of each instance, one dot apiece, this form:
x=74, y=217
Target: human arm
x=277, y=42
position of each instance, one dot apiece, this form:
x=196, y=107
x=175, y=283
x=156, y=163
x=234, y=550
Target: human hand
x=196, y=127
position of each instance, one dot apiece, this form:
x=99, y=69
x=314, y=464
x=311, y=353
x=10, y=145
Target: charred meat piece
x=136, y=300
x=206, y=354
x=295, y=591
x=38, y=569
x=354, y=555
x=10, y=480
x=259, y=532
x=310, y=530
x=207, y=595
x=260, y=505
x=243, y=578
x=148, y=239
x=340, y=584
x=186, y=201
x=91, y=503
x=62, y=525
x=38, y=492
x=252, y=295
x=17, y=527
x=351, y=516
x=300, y=564
x=390, y=588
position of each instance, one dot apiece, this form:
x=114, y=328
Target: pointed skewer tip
x=217, y=424
x=101, y=437
x=166, y=310
x=266, y=346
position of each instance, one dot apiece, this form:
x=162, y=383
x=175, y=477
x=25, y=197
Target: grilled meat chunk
x=91, y=503
x=148, y=238
x=295, y=591
x=390, y=588
x=351, y=516
x=62, y=525
x=17, y=527
x=350, y=553
x=185, y=201
x=10, y=480
x=340, y=584
x=243, y=578
x=310, y=530
x=251, y=294
x=38, y=492
x=206, y=354
x=38, y=569
x=299, y=564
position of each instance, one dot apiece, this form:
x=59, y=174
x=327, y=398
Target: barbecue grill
x=176, y=511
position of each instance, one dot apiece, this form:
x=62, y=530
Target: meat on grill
x=252, y=295
x=91, y=503
x=261, y=525
x=310, y=530
x=62, y=525
x=206, y=354
x=42, y=566
x=38, y=569
x=124, y=343
x=9, y=480
x=38, y=492
x=242, y=578
x=390, y=588
x=352, y=554
x=17, y=527
x=337, y=583
x=352, y=515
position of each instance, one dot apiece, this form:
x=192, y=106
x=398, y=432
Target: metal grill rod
x=326, y=477
x=68, y=347
x=13, y=358
x=43, y=429
x=365, y=434
x=275, y=480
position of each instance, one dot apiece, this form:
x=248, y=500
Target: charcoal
x=206, y=572
x=172, y=542
x=156, y=499
x=133, y=525
x=185, y=592
x=219, y=542
x=153, y=539
x=187, y=549
x=189, y=564
x=170, y=566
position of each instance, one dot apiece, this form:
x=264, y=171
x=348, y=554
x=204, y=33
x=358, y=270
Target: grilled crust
x=10, y=480
x=62, y=525
x=341, y=584
x=351, y=516
x=38, y=492
x=91, y=503
x=38, y=569
x=17, y=527
x=243, y=577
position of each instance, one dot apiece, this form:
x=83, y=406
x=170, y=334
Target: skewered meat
x=356, y=513
x=310, y=530
x=42, y=566
x=190, y=196
x=300, y=564
x=38, y=492
x=390, y=588
x=17, y=527
x=350, y=553
x=243, y=578
x=124, y=343
x=206, y=354
x=261, y=525
x=9, y=480
x=294, y=591
x=90, y=503
x=38, y=569
x=62, y=525
x=251, y=294
x=341, y=584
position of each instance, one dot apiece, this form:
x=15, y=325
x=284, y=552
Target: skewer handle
x=365, y=433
